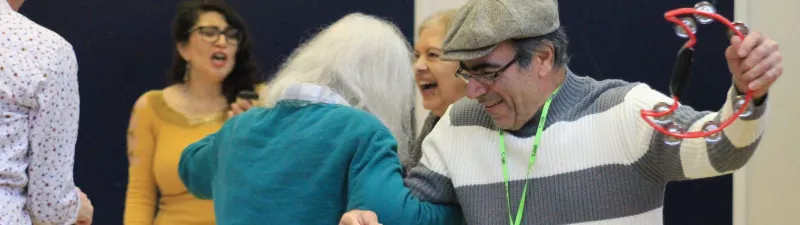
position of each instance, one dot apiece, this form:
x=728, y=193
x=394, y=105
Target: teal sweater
x=304, y=165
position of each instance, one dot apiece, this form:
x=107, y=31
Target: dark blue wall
x=631, y=40
x=124, y=49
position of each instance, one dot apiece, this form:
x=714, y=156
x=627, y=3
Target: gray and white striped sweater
x=598, y=163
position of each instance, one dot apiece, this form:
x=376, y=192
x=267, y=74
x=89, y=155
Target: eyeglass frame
x=218, y=33
x=485, y=78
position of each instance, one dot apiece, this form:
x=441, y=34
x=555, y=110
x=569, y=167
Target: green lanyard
x=536, y=141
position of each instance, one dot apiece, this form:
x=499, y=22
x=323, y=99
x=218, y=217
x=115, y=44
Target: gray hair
x=442, y=17
x=364, y=59
x=525, y=48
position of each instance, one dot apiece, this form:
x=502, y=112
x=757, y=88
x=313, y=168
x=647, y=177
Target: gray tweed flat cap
x=480, y=24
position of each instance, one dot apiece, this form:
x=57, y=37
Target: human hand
x=359, y=217
x=86, y=212
x=755, y=63
x=241, y=105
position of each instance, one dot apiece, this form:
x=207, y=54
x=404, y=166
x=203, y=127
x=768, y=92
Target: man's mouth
x=491, y=103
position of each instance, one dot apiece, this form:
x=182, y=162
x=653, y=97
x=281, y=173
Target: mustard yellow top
x=157, y=135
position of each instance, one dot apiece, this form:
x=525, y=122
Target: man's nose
x=475, y=89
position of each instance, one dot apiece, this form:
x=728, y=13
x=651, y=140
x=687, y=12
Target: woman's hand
x=241, y=105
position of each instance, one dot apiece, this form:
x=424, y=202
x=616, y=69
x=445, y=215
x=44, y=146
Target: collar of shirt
x=4, y=6
x=313, y=93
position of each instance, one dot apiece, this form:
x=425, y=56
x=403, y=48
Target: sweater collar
x=572, y=90
x=313, y=93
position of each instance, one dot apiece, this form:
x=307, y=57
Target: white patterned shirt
x=39, y=109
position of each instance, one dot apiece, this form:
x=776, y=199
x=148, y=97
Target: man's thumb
x=730, y=52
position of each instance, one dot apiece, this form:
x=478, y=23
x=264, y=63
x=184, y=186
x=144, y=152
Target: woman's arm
x=198, y=165
x=376, y=184
x=140, y=201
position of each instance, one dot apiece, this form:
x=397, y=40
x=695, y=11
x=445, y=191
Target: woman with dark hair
x=212, y=64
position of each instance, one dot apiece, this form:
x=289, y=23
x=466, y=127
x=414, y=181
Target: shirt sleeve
x=376, y=184
x=140, y=201
x=52, y=196
x=694, y=158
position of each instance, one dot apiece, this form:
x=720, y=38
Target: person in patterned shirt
x=39, y=109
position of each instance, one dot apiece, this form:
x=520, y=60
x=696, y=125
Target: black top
x=415, y=153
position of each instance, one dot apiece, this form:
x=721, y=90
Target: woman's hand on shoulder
x=244, y=101
x=240, y=106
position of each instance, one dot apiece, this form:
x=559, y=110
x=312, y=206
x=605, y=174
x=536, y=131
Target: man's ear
x=544, y=57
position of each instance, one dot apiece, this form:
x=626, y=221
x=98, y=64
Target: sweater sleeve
x=430, y=180
x=376, y=184
x=694, y=158
x=140, y=201
x=198, y=163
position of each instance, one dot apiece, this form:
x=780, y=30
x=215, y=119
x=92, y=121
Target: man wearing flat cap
x=537, y=144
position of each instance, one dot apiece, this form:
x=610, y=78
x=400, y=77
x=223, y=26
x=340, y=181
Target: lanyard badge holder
x=661, y=113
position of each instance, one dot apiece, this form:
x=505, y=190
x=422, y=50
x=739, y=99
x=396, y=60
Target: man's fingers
x=732, y=51
x=750, y=41
x=758, y=54
x=755, y=56
x=768, y=78
x=762, y=67
x=734, y=61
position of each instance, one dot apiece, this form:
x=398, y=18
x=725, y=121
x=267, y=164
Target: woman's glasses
x=211, y=34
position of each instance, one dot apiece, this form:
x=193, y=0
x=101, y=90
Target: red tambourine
x=661, y=114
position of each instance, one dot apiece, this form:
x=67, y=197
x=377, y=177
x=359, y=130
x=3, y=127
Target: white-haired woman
x=320, y=146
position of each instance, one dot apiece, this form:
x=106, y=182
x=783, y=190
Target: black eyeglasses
x=486, y=78
x=211, y=34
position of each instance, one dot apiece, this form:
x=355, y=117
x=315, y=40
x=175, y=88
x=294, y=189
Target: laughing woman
x=435, y=78
x=211, y=65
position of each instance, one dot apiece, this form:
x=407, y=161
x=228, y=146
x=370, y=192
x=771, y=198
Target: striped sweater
x=598, y=163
